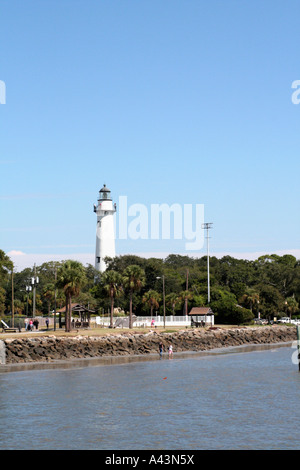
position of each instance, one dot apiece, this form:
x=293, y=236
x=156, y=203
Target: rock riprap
x=52, y=348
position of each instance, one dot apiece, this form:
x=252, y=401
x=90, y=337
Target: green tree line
x=239, y=289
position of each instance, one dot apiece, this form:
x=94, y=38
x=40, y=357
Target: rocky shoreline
x=51, y=348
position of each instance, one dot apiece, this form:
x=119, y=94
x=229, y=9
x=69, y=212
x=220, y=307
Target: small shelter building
x=202, y=316
x=80, y=315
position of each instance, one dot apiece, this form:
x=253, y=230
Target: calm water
x=241, y=400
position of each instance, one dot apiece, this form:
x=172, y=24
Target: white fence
x=158, y=320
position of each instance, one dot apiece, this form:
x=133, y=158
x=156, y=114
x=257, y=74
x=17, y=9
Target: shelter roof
x=201, y=311
x=76, y=308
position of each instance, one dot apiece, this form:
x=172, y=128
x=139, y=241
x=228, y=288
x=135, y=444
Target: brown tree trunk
x=70, y=313
x=111, y=310
x=130, y=311
x=66, y=314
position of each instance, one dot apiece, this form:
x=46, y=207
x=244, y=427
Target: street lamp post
x=164, y=302
x=28, y=290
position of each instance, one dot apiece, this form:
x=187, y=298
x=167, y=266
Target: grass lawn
x=106, y=331
x=86, y=332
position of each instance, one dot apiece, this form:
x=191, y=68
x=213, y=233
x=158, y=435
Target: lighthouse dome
x=105, y=193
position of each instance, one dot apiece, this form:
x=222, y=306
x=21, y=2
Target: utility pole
x=164, y=300
x=186, y=288
x=55, y=292
x=207, y=226
x=28, y=290
x=12, y=299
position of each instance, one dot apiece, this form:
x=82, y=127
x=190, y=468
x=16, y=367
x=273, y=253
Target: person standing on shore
x=170, y=351
x=161, y=348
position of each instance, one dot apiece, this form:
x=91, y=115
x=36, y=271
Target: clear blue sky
x=165, y=101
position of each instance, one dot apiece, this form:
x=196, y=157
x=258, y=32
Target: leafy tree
x=6, y=270
x=222, y=301
x=276, y=271
x=238, y=315
x=92, y=277
x=2, y=302
x=271, y=301
x=86, y=299
x=6, y=265
x=199, y=300
x=120, y=263
x=272, y=277
x=153, y=269
x=18, y=306
x=177, y=261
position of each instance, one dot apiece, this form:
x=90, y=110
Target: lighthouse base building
x=105, y=233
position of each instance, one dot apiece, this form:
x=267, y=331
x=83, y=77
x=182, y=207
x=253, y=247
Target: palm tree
x=291, y=305
x=173, y=300
x=186, y=295
x=152, y=299
x=133, y=280
x=49, y=294
x=71, y=277
x=250, y=298
x=111, y=281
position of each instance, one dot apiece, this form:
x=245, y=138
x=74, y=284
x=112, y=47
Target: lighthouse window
x=98, y=259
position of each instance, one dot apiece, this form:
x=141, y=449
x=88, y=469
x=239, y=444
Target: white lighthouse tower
x=105, y=235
